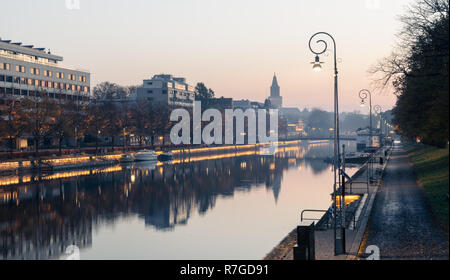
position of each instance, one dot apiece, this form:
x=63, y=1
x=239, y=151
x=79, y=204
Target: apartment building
x=34, y=72
x=164, y=89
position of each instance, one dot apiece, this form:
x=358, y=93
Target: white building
x=29, y=71
x=167, y=90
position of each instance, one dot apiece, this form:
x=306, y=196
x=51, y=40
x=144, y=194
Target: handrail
x=311, y=210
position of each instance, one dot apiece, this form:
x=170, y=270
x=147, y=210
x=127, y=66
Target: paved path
x=401, y=224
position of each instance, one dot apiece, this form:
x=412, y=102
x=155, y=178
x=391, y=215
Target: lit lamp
x=317, y=65
x=363, y=103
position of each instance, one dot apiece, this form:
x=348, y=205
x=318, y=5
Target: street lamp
x=317, y=65
x=379, y=111
x=364, y=94
x=339, y=243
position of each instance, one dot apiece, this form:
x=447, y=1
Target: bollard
x=305, y=248
x=381, y=160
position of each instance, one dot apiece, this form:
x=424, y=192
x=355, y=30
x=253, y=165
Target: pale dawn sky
x=233, y=46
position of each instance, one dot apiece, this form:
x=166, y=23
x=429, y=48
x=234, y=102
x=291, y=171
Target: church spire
x=274, y=81
x=275, y=98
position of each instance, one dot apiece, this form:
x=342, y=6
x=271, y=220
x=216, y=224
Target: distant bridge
x=349, y=138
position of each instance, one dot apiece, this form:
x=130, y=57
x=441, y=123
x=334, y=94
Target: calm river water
x=214, y=207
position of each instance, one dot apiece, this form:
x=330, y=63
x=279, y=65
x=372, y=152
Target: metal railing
x=311, y=210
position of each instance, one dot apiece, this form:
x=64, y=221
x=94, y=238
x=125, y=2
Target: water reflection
x=39, y=219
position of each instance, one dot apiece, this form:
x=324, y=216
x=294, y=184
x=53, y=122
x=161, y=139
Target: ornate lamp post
x=364, y=94
x=339, y=243
x=379, y=111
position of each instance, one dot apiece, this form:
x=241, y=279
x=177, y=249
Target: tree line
x=418, y=71
x=41, y=118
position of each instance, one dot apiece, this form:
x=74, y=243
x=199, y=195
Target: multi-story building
x=35, y=72
x=165, y=89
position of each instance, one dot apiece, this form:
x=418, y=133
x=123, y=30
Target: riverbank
x=432, y=171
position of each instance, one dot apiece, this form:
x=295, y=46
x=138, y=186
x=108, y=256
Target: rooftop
x=28, y=53
x=17, y=47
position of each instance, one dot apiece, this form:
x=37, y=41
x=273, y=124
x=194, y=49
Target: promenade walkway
x=401, y=224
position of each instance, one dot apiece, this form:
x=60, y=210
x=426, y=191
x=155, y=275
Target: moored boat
x=145, y=155
x=166, y=156
x=126, y=158
x=356, y=158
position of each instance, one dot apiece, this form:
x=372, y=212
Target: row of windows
x=40, y=83
x=32, y=93
x=181, y=100
x=47, y=73
x=171, y=92
x=27, y=57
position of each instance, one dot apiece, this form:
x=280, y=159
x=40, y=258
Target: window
x=20, y=68
x=34, y=71
x=72, y=77
x=50, y=84
x=82, y=78
x=5, y=66
x=149, y=91
x=164, y=91
x=48, y=73
x=59, y=75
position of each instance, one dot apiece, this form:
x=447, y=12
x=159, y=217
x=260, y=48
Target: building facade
x=164, y=89
x=26, y=71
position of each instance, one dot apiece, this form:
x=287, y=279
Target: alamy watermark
x=373, y=4
x=72, y=4
x=72, y=253
x=374, y=252
x=257, y=130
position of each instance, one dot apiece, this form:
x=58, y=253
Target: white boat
x=146, y=155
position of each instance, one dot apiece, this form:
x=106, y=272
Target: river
x=211, y=207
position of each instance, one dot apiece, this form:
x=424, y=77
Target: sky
x=233, y=46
